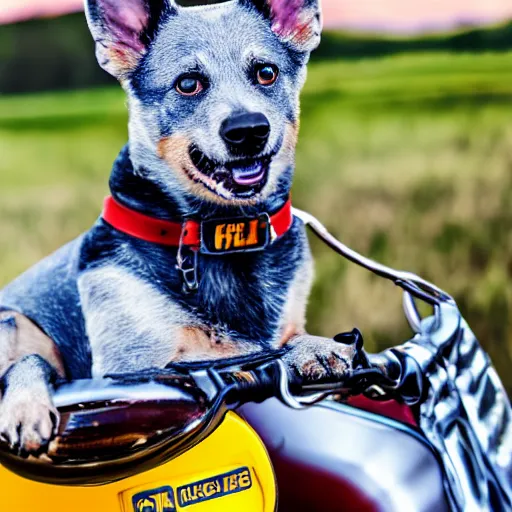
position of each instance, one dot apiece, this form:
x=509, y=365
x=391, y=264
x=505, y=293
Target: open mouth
x=241, y=178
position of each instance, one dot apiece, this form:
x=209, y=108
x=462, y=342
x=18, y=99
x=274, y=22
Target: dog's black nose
x=245, y=134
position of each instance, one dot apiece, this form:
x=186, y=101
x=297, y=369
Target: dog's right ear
x=123, y=29
x=296, y=22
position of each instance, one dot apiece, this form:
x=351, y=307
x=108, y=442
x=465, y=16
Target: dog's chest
x=138, y=316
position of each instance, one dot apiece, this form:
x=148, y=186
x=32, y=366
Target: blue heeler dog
x=213, y=95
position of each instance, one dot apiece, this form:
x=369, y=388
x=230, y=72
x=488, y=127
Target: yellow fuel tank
x=228, y=471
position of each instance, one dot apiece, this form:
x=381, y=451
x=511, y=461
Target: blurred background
x=405, y=152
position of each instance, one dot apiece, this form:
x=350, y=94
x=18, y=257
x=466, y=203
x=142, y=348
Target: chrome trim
x=411, y=312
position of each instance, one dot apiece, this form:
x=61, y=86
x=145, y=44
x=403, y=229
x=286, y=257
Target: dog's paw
x=28, y=421
x=315, y=358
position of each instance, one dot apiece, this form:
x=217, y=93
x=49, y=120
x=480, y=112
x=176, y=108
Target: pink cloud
x=403, y=15
x=413, y=15
x=15, y=10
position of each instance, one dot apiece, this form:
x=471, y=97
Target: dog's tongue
x=251, y=175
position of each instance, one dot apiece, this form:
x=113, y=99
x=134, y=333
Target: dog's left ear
x=296, y=22
x=123, y=29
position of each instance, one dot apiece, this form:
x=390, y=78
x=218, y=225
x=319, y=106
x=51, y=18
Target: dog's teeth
x=246, y=173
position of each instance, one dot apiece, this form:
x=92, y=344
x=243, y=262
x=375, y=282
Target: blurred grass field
x=407, y=159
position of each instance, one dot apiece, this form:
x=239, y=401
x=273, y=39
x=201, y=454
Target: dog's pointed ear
x=123, y=29
x=297, y=22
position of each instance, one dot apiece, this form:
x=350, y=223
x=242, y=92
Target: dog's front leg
x=311, y=357
x=29, y=363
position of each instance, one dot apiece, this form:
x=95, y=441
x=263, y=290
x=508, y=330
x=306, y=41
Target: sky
x=382, y=15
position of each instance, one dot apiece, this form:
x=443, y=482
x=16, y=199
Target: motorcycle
x=423, y=426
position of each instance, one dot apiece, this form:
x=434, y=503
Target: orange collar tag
x=225, y=236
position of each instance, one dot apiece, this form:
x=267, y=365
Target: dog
x=213, y=97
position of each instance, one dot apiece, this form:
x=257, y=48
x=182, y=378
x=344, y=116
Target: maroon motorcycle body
x=334, y=457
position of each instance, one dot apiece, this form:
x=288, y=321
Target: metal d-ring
x=187, y=265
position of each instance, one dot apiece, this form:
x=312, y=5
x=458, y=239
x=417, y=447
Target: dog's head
x=213, y=89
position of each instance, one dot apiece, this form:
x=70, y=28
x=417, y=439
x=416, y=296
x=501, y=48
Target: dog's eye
x=189, y=86
x=266, y=74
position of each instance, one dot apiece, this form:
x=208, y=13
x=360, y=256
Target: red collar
x=218, y=236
